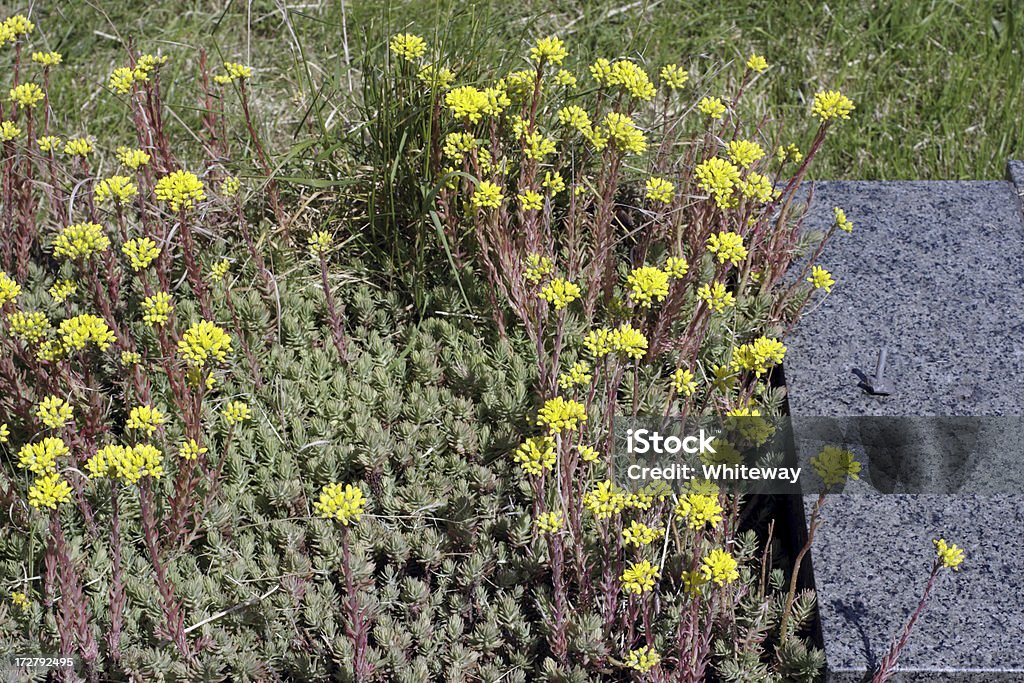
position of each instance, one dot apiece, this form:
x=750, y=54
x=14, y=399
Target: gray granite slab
x=935, y=272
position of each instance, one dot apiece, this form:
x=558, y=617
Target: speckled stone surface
x=934, y=271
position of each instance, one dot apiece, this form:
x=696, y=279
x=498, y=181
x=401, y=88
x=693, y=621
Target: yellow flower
x=180, y=189
x=219, y=270
x=553, y=182
x=145, y=419
x=756, y=186
x=141, y=251
x=550, y=522
x=130, y=464
x=716, y=296
x=536, y=455
x=830, y=105
x=683, y=382
x=834, y=465
x=559, y=414
x=130, y=358
x=949, y=555
x=629, y=341
x=757, y=63
x=122, y=80
x=237, y=72
x=132, y=158
x=720, y=567
x=560, y=293
x=711, y=107
x=565, y=78
x=625, y=74
x=20, y=600
x=466, y=102
x=531, y=201
x=660, y=190
x=646, y=285
x=639, y=534
x=47, y=59
x=59, y=291
x=157, y=309
x=54, y=412
x=537, y=267
x=588, y=453
x=605, y=500
x=788, y=152
x=101, y=463
x=236, y=412
x=342, y=504
x=487, y=194
x=48, y=143
x=674, y=77
x=190, y=450
x=699, y=510
x=744, y=152
x=147, y=63
x=27, y=95
x=408, y=46
x=821, y=279
x=623, y=133
x=718, y=177
x=41, y=457
x=578, y=375
x=576, y=117
x=30, y=327
x=549, y=49
x=842, y=222
x=80, y=241
x=118, y=188
x=320, y=242
x=18, y=25
x=9, y=289
x=8, y=131
x=639, y=577
x=229, y=186
x=49, y=491
x=204, y=342
x=599, y=342
x=643, y=659
x=758, y=356
x=79, y=147
x=676, y=267
x=436, y=77
x=5, y=432
x=537, y=146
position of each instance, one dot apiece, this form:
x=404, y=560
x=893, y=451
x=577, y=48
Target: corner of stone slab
x=1015, y=174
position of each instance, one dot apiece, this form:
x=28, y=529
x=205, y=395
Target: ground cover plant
x=250, y=435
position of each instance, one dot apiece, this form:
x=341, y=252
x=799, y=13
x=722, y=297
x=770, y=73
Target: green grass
x=938, y=84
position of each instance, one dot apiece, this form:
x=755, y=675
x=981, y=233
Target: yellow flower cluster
x=744, y=152
x=9, y=131
x=646, y=285
x=643, y=659
x=117, y=188
x=190, y=450
x=620, y=130
x=676, y=267
x=436, y=77
x=683, y=382
x=60, y=290
x=758, y=356
x=716, y=296
x=560, y=293
x=235, y=72
x=48, y=143
x=141, y=251
x=157, y=309
x=236, y=412
x=588, y=453
x=180, y=189
x=577, y=376
x=121, y=80
x=550, y=49
x=127, y=463
x=948, y=555
x=536, y=455
x=47, y=59
x=147, y=63
x=20, y=600
x=472, y=104
x=15, y=27
x=757, y=63
x=718, y=177
x=831, y=105
x=80, y=241
x=842, y=222
x=537, y=268
x=531, y=201
x=9, y=289
x=229, y=186
x=204, y=342
x=76, y=332
x=41, y=457
x=720, y=567
x=132, y=158
x=5, y=432
x=54, y=412
x=559, y=414
x=699, y=510
x=145, y=419
x=639, y=577
x=129, y=358
x=49, y=491
x=219, y=270
x=30, y=327
x=711, y=107
x=342, y=504
x=320, y=242
x=575, y=117
x=78, y=147
x=625, y=74
x=640, y=534
x=537, y=146
x=788, y=152
x=660, y=190
x=834, y=465
x=821, y=279
x=674, y=76
x=550, y=522
x=626, y=340
x=487, y=195
x=756, y=186
x=605, y=500
x=408, y=46
x=26, y=95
